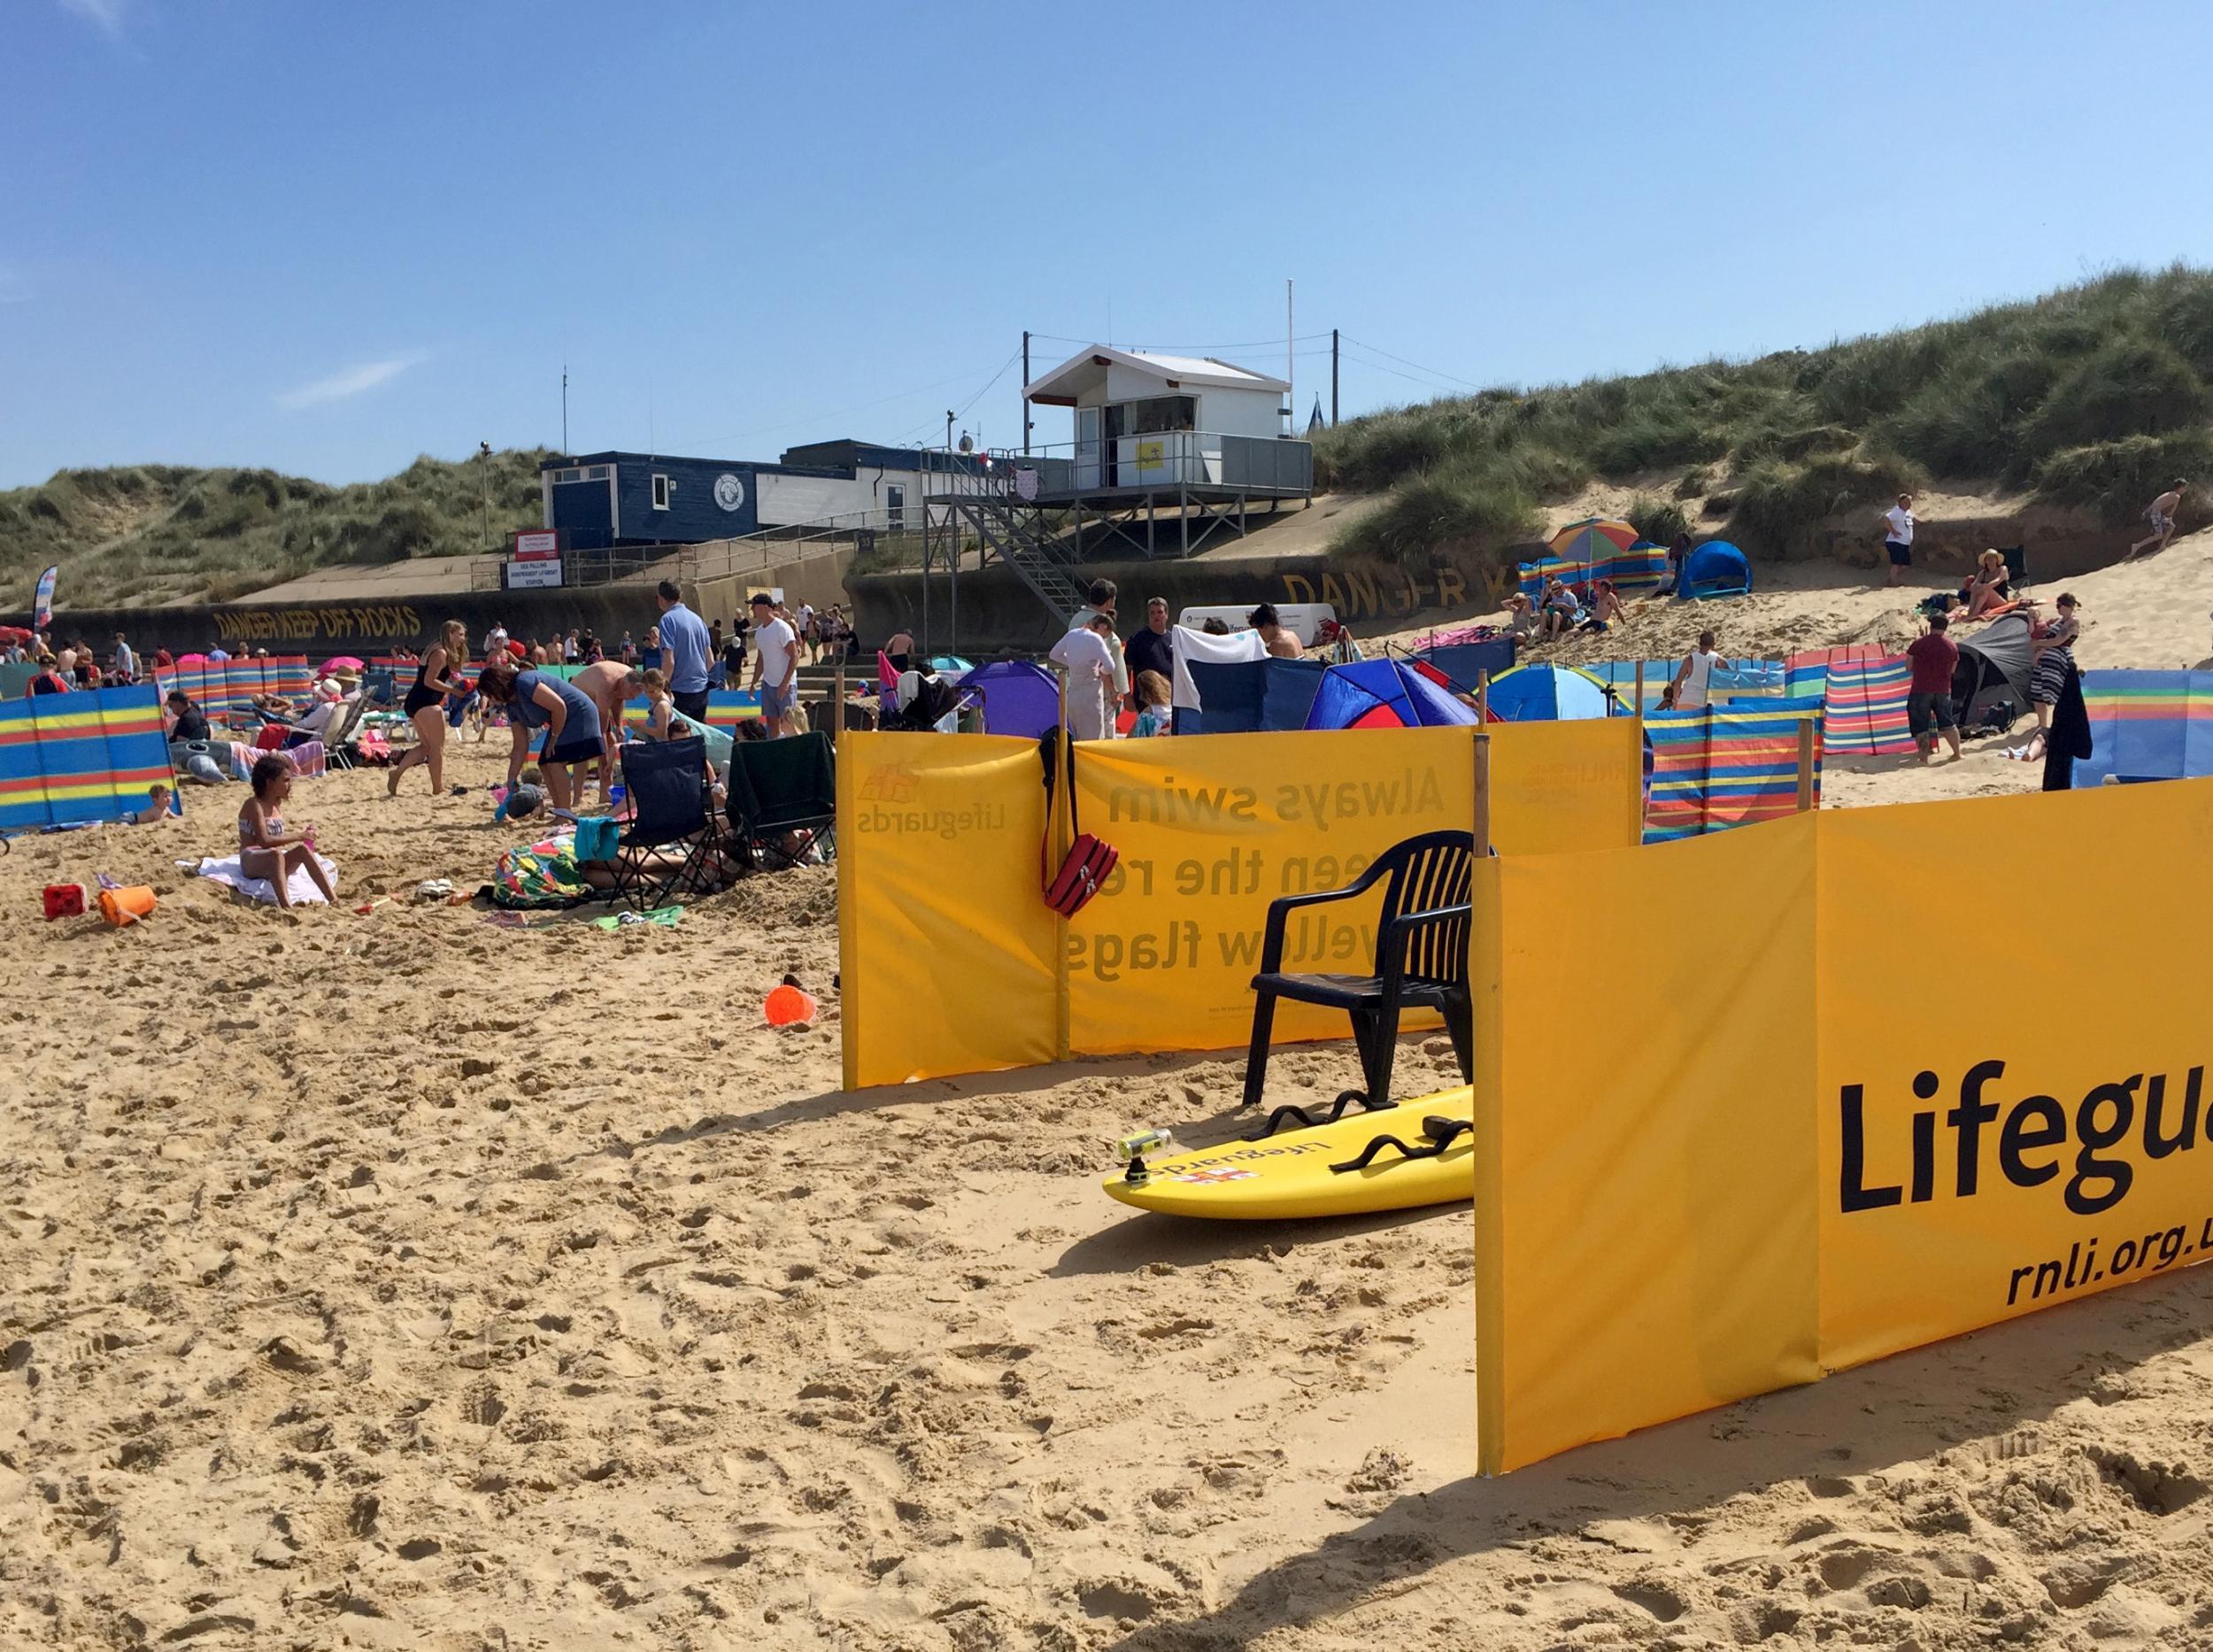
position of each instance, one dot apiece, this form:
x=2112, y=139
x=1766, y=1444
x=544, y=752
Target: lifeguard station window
x=1157, y=413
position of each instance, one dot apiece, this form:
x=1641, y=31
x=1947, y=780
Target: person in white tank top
x=1694, y=677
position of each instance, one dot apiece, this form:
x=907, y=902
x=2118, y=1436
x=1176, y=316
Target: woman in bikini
x=265, y=848
x=1988, y=588
x=438, y=677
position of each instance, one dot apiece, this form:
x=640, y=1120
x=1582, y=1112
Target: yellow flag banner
x=1211, y=830
x=1823, y=1129
x=946, y=951
x=1645, y=1229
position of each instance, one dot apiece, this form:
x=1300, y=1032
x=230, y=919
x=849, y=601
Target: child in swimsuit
x=265, y=849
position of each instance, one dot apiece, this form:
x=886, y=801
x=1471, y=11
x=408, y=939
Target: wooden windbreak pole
x=1483, y=794
x=1805, y=764
x=1640, y=688
x=838, y=709
x=1483, y=697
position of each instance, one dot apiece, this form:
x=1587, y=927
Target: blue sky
x=327, y=238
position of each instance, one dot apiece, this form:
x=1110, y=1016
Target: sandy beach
x=400, y=1280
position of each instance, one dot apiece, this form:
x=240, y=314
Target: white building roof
x=1088, y=367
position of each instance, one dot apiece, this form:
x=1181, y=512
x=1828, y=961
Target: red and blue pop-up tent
x=1383, y=694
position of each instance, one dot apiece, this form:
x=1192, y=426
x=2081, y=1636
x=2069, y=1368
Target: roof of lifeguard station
x=1077, y=373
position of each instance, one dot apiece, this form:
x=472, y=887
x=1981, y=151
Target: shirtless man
x=2162, y=518
x=1280, y=644
x=608, y=685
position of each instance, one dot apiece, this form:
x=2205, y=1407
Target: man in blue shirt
x=683, y=653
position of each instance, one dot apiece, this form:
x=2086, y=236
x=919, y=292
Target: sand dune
x=401, y=1281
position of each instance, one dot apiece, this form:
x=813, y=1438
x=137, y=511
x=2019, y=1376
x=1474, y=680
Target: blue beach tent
x=1717, y=568
x=1547, y=694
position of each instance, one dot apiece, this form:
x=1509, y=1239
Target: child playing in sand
x=265, y=849
x=525, y=797
x=157, y=808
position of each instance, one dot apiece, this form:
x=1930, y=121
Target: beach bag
x=1089, y=860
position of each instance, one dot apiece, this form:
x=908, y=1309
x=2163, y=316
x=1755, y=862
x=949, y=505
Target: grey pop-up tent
x=1993, y=665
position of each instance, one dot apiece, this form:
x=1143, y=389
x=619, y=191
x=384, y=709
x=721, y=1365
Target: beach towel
x=262, y=891
x=542, y=874
x=1235, y=649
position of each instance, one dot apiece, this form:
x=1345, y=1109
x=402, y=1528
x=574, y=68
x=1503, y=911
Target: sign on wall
x=537, y=544
x=532, y=575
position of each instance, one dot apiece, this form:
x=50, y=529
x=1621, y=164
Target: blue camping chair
x=667, y=783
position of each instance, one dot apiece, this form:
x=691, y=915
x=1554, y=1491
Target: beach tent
x=1019, y=698
x=1717, y=568
x=1547, y=694
x=1993, y=665
x=2146, y=725
x=1242, y=696
x=1383, y=694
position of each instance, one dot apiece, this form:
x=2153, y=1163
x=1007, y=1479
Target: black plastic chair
x=1421, y=962
x=667, y=783
x=783, y=799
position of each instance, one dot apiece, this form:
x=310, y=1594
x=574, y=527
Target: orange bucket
x=119, y=907
x=789, y=1007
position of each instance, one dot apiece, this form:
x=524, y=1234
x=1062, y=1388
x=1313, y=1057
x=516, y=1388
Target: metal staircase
x=1017, y=535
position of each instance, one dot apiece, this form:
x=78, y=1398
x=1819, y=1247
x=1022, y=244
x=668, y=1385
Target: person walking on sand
x=1898, y=538
x=775, y=664
x=2161, y=517
x=425, y=706
x=1693, y=682
x=1928, y=695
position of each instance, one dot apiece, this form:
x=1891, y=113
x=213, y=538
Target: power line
x=1433, y=372
x=931, y=423
x=1456, y=389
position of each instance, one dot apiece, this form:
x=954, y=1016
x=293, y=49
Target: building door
x=895, y=508
x=1087, y=456
x=1116, y=425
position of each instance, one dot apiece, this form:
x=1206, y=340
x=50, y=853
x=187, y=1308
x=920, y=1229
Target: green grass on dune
x=2092, y=398
x=151, y=533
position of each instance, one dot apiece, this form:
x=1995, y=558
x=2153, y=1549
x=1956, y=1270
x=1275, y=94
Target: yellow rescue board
x=1289, y=1174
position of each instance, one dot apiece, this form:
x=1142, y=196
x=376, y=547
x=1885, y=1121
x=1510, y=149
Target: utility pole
x=1025, y=392
x=484, y=477
x=565, y=410
x=1333, y=378
x=1290, y=361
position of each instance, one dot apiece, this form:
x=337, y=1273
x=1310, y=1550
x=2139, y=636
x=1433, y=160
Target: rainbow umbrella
x=1595, y=539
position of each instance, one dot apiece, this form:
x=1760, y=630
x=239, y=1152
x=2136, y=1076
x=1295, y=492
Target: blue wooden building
x=598, y=500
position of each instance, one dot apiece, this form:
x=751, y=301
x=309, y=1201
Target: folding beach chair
x=1421, y=962
x=667, y=784
x=338, y=739
x=783, y=799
